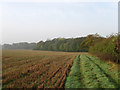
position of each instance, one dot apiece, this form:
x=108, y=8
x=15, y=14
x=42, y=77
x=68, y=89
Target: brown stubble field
x=29, y=68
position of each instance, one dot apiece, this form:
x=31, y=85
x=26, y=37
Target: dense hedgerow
x=107, y=49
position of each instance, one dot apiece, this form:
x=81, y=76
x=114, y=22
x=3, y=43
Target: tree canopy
x=61, y=44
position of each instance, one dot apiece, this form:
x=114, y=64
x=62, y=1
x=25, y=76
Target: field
x=90, y=72
x=47, y=69
x=35, y=69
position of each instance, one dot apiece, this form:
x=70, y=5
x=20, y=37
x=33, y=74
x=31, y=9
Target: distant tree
x=90, y=41
x=21, y=45
x=61, y=44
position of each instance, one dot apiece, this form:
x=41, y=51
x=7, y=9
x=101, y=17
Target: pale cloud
x=33, y=22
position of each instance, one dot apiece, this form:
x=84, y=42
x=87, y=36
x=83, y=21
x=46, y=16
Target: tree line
x=80, y=44
x=106, y=48
x=21, y=45
x=62, y=44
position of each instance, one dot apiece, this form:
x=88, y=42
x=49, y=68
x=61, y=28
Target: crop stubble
x=28, y=69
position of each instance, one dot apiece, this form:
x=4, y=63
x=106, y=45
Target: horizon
x=60, y=37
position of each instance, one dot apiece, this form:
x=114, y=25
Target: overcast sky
x=32, y=22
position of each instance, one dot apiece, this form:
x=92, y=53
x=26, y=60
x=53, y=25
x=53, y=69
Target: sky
x=36, y=21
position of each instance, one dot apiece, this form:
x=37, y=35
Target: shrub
x=107, y=49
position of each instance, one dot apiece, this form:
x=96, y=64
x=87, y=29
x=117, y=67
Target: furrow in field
x=58, y=77
x=26, y=71
x=29, y=76
x=32, y=69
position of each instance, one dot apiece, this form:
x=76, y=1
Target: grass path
x=89, y=72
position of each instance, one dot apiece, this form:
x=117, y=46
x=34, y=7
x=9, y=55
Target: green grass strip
x=94, y=76
x=90, y=72
x=114, y=74
x=73, y=80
